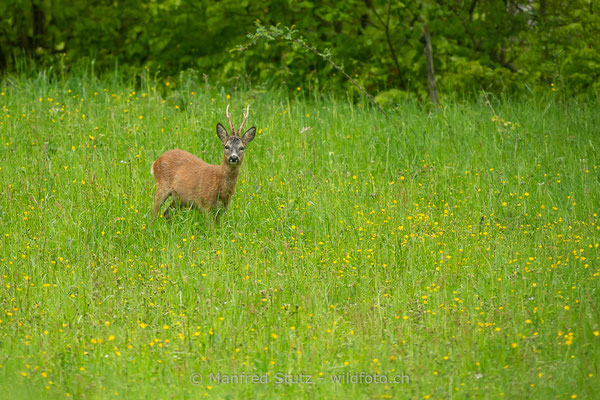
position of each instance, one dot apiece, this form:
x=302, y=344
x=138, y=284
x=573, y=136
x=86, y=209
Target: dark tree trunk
x=39, y=26
x=2, y=60
x=433, y=93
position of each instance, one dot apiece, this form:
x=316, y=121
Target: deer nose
x=234, y=159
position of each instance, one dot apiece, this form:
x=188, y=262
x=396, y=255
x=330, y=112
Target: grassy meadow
x=456, y=249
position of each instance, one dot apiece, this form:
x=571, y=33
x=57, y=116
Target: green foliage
x=566, y=38
x=287, y=34
x=477, y=44
x=393, y=97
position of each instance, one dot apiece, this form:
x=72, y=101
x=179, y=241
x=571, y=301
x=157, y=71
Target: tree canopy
x=498, y=46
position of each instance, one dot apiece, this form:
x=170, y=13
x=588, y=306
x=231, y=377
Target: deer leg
x=175, y=203
x=159, y=198
x=167, y=214
x=219, y=215
x=208, y=216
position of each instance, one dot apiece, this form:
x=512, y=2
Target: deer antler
x=245, y=119
x=229, y=119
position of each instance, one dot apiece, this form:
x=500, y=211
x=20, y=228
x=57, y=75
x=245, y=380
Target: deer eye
x=241, y=149
x=226, y=147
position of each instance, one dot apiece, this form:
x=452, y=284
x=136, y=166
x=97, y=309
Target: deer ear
x=249, y=135
x=222, y=133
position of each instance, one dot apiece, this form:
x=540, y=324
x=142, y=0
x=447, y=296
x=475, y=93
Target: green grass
x=453, y=247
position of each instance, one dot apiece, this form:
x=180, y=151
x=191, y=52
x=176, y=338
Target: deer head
x=233, y=153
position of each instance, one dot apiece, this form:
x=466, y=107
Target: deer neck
x=229, y=176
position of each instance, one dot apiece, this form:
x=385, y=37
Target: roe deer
x=193, y=182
